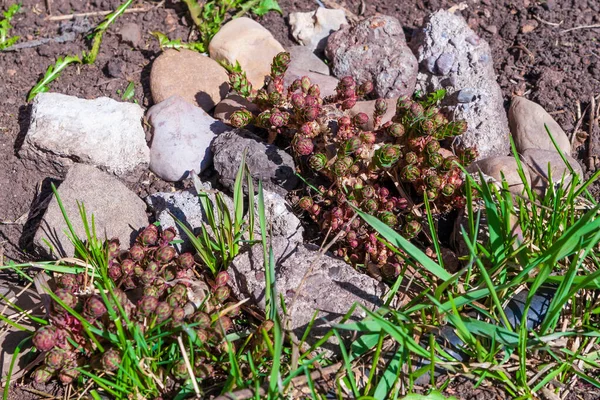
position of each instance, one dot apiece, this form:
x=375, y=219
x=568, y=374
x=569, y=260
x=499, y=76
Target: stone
x=537, y=160
x=196, y=78
x=444, y=63
x=303, y=58
x=303, y=62
x=131, y=33
x=368, y=106
x=117, y=211
x=497, y=166
x=466, y=95
x=249, y=43
x=115, y=68
x=266, y=162
x=231, y=104
x=375, y=49
x=527, y=120
x=185, y=206
x=101, y=132
x=331, y=286
x=311, y=29
x=182, y=135
x=453, y=57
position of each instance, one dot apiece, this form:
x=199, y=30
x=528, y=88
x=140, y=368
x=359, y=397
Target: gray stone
x=115, y=68
x=537, y=160
x=444, y=63
x=182, y=134
x=266, y=162
x=499, y=166
x=185, y=206
x=464, y=63
x=312, y=29
x=375, y=50
x=331, y=286
x=303, y=58
x=101, y=132
x=527, y=120
x=117, y=211
x=305, y=63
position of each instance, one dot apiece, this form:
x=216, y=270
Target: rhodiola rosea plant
x=388, y=171
x=148, y=292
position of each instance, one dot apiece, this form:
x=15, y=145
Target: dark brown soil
x=532, y=55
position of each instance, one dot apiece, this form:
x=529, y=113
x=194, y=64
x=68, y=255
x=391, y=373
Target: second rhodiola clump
x=387, y=171
x=154, y=289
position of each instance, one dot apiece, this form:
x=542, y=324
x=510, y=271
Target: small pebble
x=429, y=64
x=444, y=63
x=466, y=95
x=491, y=29
x=115, y=68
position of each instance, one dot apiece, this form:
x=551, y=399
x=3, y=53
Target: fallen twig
x=592, y=150
x=543, y=21
x=581, y=27
x=101, y=13
x=580, y=116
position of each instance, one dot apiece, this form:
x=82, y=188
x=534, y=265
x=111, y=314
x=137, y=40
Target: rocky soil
x=508, y=68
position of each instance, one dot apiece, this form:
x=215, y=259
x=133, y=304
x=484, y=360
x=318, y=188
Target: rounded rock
x=527, y=122
x=499, y=166
x=249, y=43
x=198, y=79
x=375, y=50
x=538, y=161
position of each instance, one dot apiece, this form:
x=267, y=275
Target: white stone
x=453, y=57
x=312, y=29
x=182, y=135
x=249, y=43
x=101, y=132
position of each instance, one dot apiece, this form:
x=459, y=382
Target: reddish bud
x=303, y=146
x=45, y=338
x=111, y=360
x=360, y=119
x=149, y=235
x=186, y=260
x=380, y=107
x=222, y=293
x=298, y=100
x=94, y=306
x=42, y=374
x=165, y=254
x=147, y=305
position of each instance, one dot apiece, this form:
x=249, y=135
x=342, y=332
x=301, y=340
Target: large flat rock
x=100, y=132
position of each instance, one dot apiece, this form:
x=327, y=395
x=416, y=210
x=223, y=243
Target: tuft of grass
x=221, y=237
x=5, y=39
